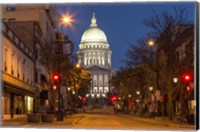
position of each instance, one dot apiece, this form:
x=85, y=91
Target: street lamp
x=137, y=100
x=66, y=20
x=68, y=88
x=150, y=88
x=174, y=105
x=69, y=96
x=175, y=79
x=152, y=43
x=152, y=92
x=78, y=65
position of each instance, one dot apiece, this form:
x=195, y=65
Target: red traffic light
x=187, y=77
x=56, y=77
x=114, y=98
x=83, y=99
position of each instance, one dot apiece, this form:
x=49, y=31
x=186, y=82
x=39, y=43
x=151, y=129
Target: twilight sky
x=121, y=22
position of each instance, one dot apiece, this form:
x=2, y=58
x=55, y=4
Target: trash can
x=60, y=116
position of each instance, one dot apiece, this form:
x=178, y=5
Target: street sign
x=68, y=46
x=63, y=90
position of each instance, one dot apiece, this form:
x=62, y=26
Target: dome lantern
x=93, y=21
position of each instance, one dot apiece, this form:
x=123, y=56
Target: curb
x=161, y=122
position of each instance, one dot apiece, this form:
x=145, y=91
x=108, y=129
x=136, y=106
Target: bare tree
x=168, y=30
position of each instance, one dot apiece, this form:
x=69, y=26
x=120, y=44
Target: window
x=106, y=90
x=18, y=75
x=11, y=8
x=95, y=80
x=106, y=80
x=5, y=59
x=22, y=45
x=101, y=90
x=95, y=90
x=100, y=80
x=10, y=34
x=12, y=60
x=24, y=68
x=16, y=40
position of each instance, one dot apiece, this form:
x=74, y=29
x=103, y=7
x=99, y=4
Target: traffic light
x=114, y=98
x=54, y=87
x=56, y=77
x=187, y=77
x=188, y=88
x=83, y=99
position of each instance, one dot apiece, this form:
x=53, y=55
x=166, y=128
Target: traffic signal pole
x=60, y=113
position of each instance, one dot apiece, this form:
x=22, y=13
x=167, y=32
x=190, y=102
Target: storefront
x=16, y=101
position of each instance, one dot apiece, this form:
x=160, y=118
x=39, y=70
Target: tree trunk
x=170, y=111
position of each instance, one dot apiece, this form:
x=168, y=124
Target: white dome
x=93, y=34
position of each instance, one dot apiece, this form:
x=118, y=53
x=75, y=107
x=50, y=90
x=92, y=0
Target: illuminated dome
x=93, y=33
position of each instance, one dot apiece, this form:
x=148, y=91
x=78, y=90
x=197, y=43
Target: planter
x=33, y=117
x=191, y=119
x=47, y=118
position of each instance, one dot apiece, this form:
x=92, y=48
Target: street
x=101, y=118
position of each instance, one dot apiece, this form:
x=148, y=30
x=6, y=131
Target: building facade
x=44, y=14
x=94, y=54
x=17, y=74
x=34, y=25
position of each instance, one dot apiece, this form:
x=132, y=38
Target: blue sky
x=121, y=22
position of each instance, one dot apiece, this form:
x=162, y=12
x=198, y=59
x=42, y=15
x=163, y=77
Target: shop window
x=11, y=8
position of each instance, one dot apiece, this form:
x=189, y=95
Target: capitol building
x=94, y=55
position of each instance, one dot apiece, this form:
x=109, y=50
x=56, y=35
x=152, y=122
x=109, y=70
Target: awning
x=14, y=89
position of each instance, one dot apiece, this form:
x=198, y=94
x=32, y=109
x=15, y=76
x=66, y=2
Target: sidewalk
x=162, y=121
x=68, y=120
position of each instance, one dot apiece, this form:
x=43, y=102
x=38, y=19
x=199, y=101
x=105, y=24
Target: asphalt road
x=101, y=118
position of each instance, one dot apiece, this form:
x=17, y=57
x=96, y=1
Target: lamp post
x=75, y=93
x=68, y=96
x=138, y=93
x=152, y=92
x=60, y=41
x=152, y=43
x=175, y=81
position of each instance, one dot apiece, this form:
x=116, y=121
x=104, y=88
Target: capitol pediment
x=97, y=68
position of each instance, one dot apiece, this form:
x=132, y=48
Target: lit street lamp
x=175, y=81
x=152, y=43
x=155, y=100
x=77, y=66
x=65, y=20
